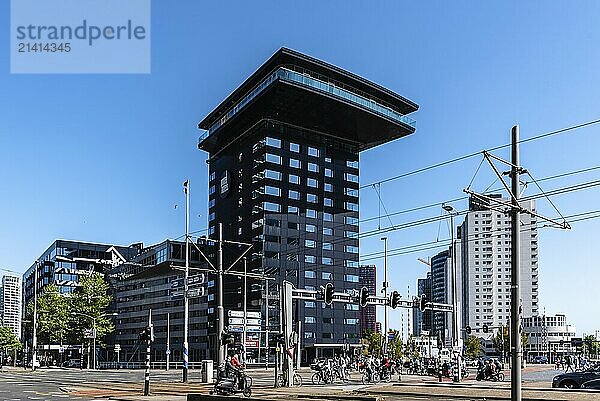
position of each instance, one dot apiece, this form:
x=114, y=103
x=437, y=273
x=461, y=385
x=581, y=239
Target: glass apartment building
x=284, y=176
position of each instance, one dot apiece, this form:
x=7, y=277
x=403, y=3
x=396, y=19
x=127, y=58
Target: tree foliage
x=373, y=341
x=473, y=347
x=8, y=339
x=64, y=317
x=591, y=345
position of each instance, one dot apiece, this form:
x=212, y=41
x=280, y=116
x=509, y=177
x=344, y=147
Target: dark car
x=591, y=385
x=576, y=379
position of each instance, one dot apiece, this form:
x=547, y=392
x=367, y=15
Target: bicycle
x=296, y=380
x=372, y=378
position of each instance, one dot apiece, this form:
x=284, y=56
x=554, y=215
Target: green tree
x=52, y=315
x=89, y=305
x=472, y=347
x=395, y=347
x=373, y=341
x=8, y=339
x=591, y=345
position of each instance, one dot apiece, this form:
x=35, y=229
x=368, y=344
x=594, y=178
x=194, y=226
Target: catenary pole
x=244, y=335
x=186, y=307
x=515, y=332
x=148, y=342
x=385, y=294
x=220, y=310
x=168, y=351
x=34, y=344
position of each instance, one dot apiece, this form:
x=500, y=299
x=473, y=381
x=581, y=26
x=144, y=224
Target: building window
x=351, y=278
x=294, y=147
x=327, y=202
x=353, y=221
x=328, y=187
x=327, y=216
x=294, y=179
x=313, y=167
x=350, y=234
x=309, y=319
x=295, y=163
x=274, y=175
x=352, y=307
x=312, y=198
x=293, y=210
x=311, y=213
x=271, y=158
x=351, y=263
x=211, y=203
x=313, y=183
x=351, y=206
x=313, y=152
x=310, y=259
x=327, y=261
x=309, y=243
x=309, y=304
x=310, y=274
x=326, y=276
x=328, y=172
x=294, y=195
x=269, y=190
x=311, y=228
x=352, y=163
x=351, y=321
x=328, y=160
x=327, y=231
x=273, y=142
x=272, y=207
x=351, y=192
x=327, y=246
x=351, y=249
x=211, y=190
x=211, y=216
x=212, y=176
x=351, y=177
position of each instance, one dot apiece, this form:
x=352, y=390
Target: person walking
x=569, y=363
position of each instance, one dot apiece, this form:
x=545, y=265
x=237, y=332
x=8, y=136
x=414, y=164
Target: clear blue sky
x=102, y=157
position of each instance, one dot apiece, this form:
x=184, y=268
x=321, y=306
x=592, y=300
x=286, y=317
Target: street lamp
x=93, y=328
x=455, y=330
x=384, y=290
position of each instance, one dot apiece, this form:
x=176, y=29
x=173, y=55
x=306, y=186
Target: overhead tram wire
x=470, y=155
x=428, y=220
x=583, y=216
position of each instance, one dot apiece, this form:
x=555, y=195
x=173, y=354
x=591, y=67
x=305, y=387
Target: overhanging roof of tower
x=301, y=90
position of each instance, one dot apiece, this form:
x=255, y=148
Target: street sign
x=236, y=320
x=255, y=315
x=177, y=294
x=235, y=313
x=168, y=352
x=235, y=329
x=253, y=322
x=196, y=279
x=61, y=349
x=177, y=283
x=195, y=292
x=89, y=333
x=252, y=343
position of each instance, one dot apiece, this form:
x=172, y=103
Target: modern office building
x=486, y=265
x=152, y=280
x=548, y=335
x=368, y=315
x=440, y=289
x=64, y=262
x=10, y=303
x=422, y=321
x=284, y=176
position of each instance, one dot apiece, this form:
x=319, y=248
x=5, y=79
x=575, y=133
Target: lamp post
x=455, y=329
x=34, y=343
x=385, y=294
x=93, y=328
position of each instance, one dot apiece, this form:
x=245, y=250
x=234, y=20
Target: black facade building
x=284, y=175
x=368, y=314
x=422, y=321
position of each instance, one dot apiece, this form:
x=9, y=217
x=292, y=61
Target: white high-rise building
x=486, y=265
x=10, y=303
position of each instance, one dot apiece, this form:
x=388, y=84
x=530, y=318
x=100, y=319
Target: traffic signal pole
x=186, y=305
x=220, y=309
x=148, y=342
x=515, y=304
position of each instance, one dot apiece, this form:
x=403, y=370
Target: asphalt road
x=54, y=384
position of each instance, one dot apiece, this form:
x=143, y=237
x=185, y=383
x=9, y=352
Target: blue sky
x=102, y=157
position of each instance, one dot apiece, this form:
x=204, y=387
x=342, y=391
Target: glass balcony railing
x=321, y=85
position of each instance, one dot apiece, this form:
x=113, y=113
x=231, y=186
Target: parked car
x=591, y=385
x=72, y=363
x=540, y=359
x=576, y=379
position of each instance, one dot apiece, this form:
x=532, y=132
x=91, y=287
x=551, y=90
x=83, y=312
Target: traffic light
x=395, y=299
x=328, y=295
x=468, y=330
x=423, y=303
x=486, y=329
x=227, y=338
x=147, y=334
x=364, y=295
